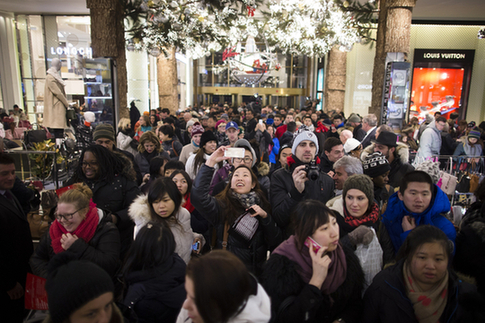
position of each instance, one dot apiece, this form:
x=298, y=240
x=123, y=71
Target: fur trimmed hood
x=402, y=151
x=263, y=168
x=139, y=211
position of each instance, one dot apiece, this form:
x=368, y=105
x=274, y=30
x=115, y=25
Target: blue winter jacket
x=396, y=210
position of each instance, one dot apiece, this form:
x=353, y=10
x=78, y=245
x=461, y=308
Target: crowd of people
x=319, y=218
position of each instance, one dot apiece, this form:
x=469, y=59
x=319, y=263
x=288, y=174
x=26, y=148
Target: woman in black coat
x=81, y=229
x=421, y=287
x=242, y=194
x=311, y=277
x=154, y=276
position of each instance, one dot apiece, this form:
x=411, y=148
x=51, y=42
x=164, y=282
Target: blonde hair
x=149, y=136
x=78, y=196
x=123, y=124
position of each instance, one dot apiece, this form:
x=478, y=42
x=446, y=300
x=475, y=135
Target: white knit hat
x=301, y=135
x=351, y=144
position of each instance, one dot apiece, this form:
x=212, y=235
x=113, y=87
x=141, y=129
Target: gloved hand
x=362, y=234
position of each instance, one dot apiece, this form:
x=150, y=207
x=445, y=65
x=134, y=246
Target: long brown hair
x=232, y=207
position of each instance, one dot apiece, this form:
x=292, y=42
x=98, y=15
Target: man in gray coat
x=430, y=142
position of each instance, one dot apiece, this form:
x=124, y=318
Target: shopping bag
x=371, y=259
x=448, y=183
x=35, y=294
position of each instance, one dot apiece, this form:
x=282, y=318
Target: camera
x=312, y=171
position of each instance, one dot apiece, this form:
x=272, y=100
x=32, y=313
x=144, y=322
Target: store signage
x=443, y=55
x=88, y=51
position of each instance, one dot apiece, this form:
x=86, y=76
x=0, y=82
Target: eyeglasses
x=66, y=217
x=90, y=165
x=245, y=159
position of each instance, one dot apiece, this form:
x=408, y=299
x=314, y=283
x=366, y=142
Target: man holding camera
x=300, y=180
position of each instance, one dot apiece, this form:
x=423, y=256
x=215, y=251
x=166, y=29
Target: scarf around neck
x=371, y=216
x=188, y=205
x=430, y=305
x=337, y=270
x=247, y=200
x=85, y=230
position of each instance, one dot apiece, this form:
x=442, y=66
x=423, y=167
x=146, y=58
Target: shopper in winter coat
x=148, y=148
x=472, y=145
x=421, y=287
x=430, y=141
x=79, y=291
x=361, y=213
x=189, y=149
x=171, y=146
x=124, y=140
x=162, y=205
x=154, y=276
x=113, y=189
x=419, y=201
x=220, y=289
x=317, y=280
x=396, y=153
x=208, y=144
x=84, y=131
x=241, y=194
x=184, y=184
x=81, y=229
x=291, y=184
x=377, y=168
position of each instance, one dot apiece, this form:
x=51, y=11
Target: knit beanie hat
x=354, y=118
x=197, y=129
x=359, y=182
x=189, y=124
x=375, y=164
x=219, y=122
x=474, y=133
x=351, y=144
x=244, y=143
x=301, y=135
x=431, y=168
x=73, y=283
x=206, y=137
x=104, y=130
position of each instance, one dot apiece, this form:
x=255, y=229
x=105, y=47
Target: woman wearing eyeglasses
x=81, y=229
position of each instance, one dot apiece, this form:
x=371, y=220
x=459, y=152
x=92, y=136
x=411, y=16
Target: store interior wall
x=137, y=75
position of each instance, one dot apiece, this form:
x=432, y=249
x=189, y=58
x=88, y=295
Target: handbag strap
x=225, y=236
x=174, y=151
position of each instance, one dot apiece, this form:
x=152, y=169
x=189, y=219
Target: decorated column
x=168, y=81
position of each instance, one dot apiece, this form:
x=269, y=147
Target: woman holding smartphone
x=241, y=198
x=320, y=283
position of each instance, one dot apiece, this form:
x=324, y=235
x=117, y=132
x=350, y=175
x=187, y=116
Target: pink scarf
x=337, y=271
x=85, y=230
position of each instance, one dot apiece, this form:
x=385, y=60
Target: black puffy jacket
x=267, y=236
x=157, y=294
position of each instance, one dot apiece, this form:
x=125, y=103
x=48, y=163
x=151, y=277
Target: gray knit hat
x=301, y=135
x=362, y=183
x=375, y=165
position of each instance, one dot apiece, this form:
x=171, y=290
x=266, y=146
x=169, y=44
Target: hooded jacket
x=396, y=210
x=157, y=294
x=139, y=212
x=430, y=142
x=256, y=310
x=386, y=301
x=400, y=165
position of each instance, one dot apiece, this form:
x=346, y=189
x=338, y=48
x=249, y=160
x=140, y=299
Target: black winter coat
x=103, y=249
x=281, y=281
x=385, y=300
x=285, y=196
x=398, y=170
x=267, y=236
x=157, y=294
